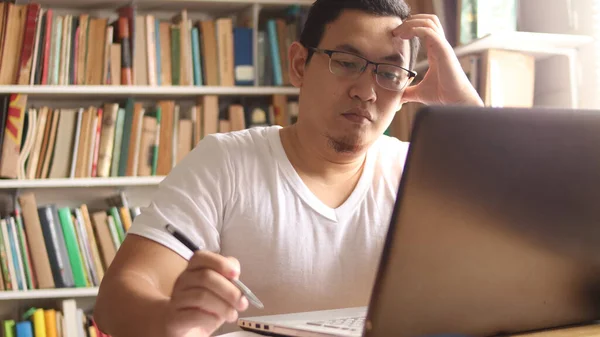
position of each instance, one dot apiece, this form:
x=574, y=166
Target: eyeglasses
x=351, y=66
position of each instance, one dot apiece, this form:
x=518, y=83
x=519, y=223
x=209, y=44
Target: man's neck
x=313, y=156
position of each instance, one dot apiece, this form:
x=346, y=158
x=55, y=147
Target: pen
x=194, y=248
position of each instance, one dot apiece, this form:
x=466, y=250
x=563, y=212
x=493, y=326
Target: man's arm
x=149, y=290
x=135, y=291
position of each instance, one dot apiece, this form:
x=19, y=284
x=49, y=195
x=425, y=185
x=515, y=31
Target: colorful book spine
x=196, y=56
x=274, y=49
x=68, y=228
x=158, y=58
x=13, y=134
x=126, y=54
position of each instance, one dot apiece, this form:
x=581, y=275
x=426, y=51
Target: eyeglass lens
x=351, y=66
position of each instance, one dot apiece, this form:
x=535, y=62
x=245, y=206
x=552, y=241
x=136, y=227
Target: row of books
x=45, y=246
x=39, y=46
x=66, y=321
x=116, y=140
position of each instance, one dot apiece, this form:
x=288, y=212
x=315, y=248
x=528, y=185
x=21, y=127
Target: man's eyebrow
x=394, y=58
x=349, y=48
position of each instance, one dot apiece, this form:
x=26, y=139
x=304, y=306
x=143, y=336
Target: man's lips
x=358, y=114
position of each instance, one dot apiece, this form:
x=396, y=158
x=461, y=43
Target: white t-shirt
x=237, y=194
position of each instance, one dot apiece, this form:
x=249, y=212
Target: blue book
x=274, y=47
x=10, y=226
x=158, y=59
x=24, y=329
x=243, y=56
x=196, y=56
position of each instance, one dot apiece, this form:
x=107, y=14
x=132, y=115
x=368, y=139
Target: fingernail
x=235, y=270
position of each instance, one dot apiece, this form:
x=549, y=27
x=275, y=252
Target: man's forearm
x=130, y=306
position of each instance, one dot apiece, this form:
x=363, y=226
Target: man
x=303, y=209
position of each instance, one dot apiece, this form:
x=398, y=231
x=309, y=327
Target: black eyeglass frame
x=329, y=52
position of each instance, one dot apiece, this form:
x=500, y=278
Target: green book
x=66, y=222
x=116, y=155
x=24, y=252
x=9, y=328
x=55, y=46
x=175, y=55
x=157, y=142
x=126, y=137
x=114, y=212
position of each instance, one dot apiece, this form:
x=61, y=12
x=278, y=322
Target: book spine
x=126, y=55
x=25, y=66
x=13, y=134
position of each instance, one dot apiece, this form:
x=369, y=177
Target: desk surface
x=579, y=331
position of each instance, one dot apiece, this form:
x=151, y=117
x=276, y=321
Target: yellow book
x=126, y=218
x=92, y=332
x=51, y=330
x=39, y=323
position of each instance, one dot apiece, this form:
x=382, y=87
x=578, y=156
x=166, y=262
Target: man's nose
x=364, y=87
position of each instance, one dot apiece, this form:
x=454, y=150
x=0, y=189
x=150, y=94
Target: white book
x=76, y=143
x=9, y=255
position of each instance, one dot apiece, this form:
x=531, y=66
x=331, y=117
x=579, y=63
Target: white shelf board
x=142, y=91
x=80, y=182
x=48, y=293
x=158, y=5
x=540, y=45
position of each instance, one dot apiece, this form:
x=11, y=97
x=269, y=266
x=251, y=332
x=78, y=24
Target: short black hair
x=323, y=12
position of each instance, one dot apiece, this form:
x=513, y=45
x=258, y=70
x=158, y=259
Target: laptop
x=495, y=230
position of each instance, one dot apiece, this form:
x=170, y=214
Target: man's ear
x=297, y=56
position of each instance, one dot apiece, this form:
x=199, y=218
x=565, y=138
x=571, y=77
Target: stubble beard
x=345, y=144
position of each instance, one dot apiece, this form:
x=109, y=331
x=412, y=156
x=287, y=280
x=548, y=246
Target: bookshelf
x=106, y=91
x=48, y=294
x=540, y=45
x=67, y=94
x=117, y=182
x=532, y=58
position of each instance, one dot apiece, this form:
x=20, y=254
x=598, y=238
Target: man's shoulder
x=229, y=150
x=247, y=141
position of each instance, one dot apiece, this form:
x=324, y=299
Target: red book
x=26, y=60
x=97, y=145
x=47, y=44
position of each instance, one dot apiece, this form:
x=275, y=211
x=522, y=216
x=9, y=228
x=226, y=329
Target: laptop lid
x=496, y=227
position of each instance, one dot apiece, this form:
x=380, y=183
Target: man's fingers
x=215, y=283
x=427, y=34
x=411, y=95
x=422, y=21
x=205, y=302
x=222, y=265
x=431, y=17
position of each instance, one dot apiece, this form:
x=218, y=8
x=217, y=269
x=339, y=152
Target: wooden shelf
x=141, y=91
x=540, y=45
x=80, y=182
x=48, y=293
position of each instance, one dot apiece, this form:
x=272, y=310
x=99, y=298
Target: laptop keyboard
x=350, y=323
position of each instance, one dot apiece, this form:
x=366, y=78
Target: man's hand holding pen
x=204, y=297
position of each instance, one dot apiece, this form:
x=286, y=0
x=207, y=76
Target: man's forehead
x=361, y=21
x=369, y=34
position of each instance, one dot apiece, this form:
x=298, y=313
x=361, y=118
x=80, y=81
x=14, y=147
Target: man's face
x=336, y=107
